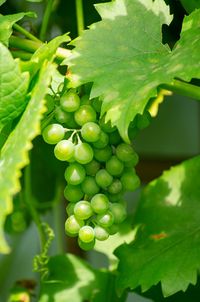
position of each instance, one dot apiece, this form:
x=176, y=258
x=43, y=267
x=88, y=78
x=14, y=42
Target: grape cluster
x=99, y=168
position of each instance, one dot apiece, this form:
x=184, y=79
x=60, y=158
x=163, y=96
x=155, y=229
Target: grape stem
x=45, y=21
x=183, y=88
x=30, y=203
x=79, y=16
x=24, y=32
x=32, y=46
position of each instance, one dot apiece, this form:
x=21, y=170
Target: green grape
x=73, y=225
x=105, y=220
x=103, y=140
x=101, y=233
x=115, y=187
x=50, y=103
x=113, y=229
x=73, y=193
x=103, y=155
x=86, y=234
x=92, y=167
x=96, y=104
x=18, y=221
x=85, y=114
x=100, y=203
x=75, y=174
x=83, y=153
x=126, y=153
x=130, y=181
x=107, y=127
x=89, y=186
x=70, y=101
x=115, y=138
x=70, y=209
x=114, y=166
x=62, y=116
x=64, y=150
x=53, y=133
x=143, y=120
x=103, y=178
x=86, y=246
x=90, y=132
x=119, y=212
x=83, y=210
x=131, y=163
x=115, y=197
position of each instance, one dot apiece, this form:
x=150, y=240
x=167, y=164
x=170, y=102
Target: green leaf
x=167, y=247
x=14, y=154
x=2, y=2
x=6, y=23
x=13, y=87
x=190, y=5
x=126, y=234
x=71, y=279
x=129, y=61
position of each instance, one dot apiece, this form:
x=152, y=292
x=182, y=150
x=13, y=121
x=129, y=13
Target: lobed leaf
x=71, y=279
x=14, y=155
x=124, y=57
x=167, y=248
x=6, y=23
x=14, y=85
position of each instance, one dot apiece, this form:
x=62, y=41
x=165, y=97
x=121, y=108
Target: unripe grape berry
x=130, y=181
x=86, y=246
x=126, y=153
x=90, y=132
x=83, y=153
x=70, y=209
x=115, y=187
x=85, y=114
x=73, y=225
x=86, y=234
x=105, y=220
x=75, y=174
x=73, y=193
x=103, y=155
x=102, y=142
x=114, y=166
x=101, y=233
x=118, y=211
x=100, y=203
x=70, y=101
x=89, y=186
x=64, y=150
x=53, y=133
x=83, y=210
x=103, y=178
x=92, y=167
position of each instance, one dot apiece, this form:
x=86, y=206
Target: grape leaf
x=6, y=23
x=167, y=247
x=126, y=234
x=2, y=2
x=124, y=57
x=14, y=85
x=71, y=279
x=14, y=154
x=190, y=5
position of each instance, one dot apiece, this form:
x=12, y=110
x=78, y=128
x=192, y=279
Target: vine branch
x=79, y=16
x=183, y=88
x=46, y=18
